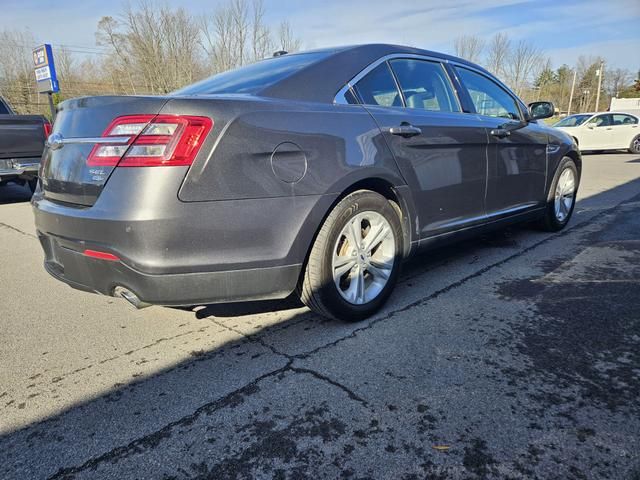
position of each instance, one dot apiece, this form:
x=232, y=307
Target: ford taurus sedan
x=603, y=131
x=315, y=172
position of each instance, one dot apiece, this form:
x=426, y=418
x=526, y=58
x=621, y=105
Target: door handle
x=500, y=132
x=609, y=128
x=405, y=130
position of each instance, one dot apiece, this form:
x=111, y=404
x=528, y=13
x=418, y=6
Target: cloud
x=617, y=53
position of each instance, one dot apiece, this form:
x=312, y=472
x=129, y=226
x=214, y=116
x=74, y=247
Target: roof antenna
x=279, y=53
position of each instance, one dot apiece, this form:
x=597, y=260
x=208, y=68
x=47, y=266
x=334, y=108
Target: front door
x=440, y=151
x=517, y=151
x=597, y=133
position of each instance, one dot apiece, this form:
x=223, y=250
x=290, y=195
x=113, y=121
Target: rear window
x=3, y=109
x=255, y=77
x=379, y=88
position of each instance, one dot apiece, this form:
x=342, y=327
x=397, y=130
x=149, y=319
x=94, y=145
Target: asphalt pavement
x=514, y=355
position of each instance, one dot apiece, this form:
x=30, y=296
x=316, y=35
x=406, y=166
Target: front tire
x=635, y=145
x=355, y=260
x=562, y=197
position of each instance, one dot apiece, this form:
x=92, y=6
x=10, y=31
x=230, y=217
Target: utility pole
x=573, y=86
x=599, y=72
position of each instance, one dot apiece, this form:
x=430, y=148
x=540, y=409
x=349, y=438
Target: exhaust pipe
x=130, y=297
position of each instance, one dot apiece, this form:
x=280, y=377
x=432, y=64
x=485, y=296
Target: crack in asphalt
x=231, y=399
x=352, y=395
x=152, y=439
x=11, y=227
x=256, y=338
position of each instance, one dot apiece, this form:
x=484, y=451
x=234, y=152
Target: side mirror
x=540, y=110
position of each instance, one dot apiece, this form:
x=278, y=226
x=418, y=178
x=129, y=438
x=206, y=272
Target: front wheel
x=355, y=260
x=635, y=145
x=562, y=197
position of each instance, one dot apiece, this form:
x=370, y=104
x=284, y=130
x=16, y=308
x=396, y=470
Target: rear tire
x=347, y=281
x=635, y=145
x=561, y=199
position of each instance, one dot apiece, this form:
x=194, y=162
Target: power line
x=72, y=50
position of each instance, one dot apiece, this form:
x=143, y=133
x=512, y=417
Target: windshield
x=572, y=121
x=254, y=77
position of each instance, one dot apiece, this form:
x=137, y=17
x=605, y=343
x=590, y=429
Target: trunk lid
x=66, y=176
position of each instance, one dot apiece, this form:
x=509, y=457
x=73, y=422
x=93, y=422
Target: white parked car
x=603, y=131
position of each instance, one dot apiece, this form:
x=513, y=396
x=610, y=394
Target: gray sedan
x=315, y=172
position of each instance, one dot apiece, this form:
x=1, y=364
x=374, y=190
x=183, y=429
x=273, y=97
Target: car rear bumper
x=178, y=253
x=19, y=167
x=71, y=266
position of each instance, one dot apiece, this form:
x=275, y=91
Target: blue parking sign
x=45, y=69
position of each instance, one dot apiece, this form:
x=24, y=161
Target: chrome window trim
x=403, y=99
x=340, y=99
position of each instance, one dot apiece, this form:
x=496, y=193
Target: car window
x=572, y=121
x=379, y=88
x=600, y=121
x=425, y=85
x=488, y=97
x=621, y=119
x=3, y=109
x=255, y=77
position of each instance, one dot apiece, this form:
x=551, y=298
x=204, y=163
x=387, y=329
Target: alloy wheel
x=565, y=194
x=363, y=257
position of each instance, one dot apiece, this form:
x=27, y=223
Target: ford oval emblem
x=55, y=141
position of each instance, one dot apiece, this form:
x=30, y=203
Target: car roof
x=604, y=113
x=320, y=81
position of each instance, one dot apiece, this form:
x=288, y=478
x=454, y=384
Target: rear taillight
x=151, y=141
x=47, y=129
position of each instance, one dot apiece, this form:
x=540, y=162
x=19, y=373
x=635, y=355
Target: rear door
x=440, y=151
x=517, y=156
x=623, y=130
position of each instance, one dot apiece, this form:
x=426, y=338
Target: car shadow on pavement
x=298, y=396
x=246, y=308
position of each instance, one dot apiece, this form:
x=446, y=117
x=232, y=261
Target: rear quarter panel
x=329, y=146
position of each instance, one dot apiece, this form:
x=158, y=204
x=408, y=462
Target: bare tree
x=147, y=48
x=154, y=46
x=498, y=53
x=617, y=80
x=287, y=40
x=261, y=41
x=522, y=62
x=17, y=81
x=236, y=34
x=469, y=47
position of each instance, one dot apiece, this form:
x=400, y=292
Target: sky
x=563, y=29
